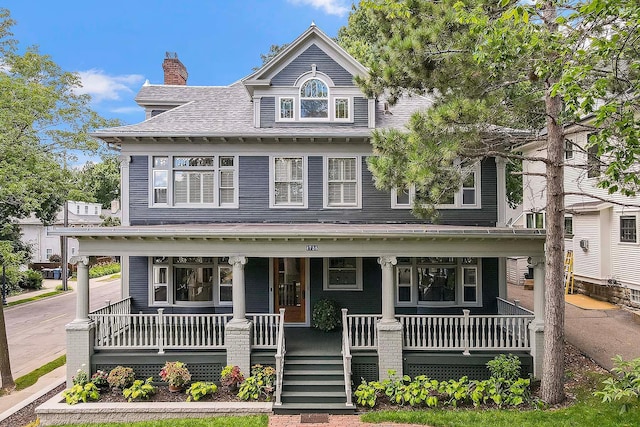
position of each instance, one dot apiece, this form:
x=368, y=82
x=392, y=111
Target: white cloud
x=126, y=110
x=331, y=7
x=105, y=87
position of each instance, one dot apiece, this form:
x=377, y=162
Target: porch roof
x=307, y=239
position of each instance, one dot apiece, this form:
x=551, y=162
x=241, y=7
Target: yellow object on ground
x=588, y=303
x=568, y=273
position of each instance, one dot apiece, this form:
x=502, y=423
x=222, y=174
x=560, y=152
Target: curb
x=15, y=408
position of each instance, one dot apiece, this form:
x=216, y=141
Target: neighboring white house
x=80, y=214
x=602, y=234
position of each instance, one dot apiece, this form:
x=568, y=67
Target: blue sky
x=116, y=45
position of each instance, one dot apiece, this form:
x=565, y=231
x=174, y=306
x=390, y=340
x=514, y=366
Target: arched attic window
x=314, y=100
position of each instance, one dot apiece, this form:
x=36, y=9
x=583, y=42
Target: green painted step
x=314, y=397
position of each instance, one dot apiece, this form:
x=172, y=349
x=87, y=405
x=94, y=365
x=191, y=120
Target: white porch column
x=82, y=298
x=388, y=294
x=239, y=308
x=537, y=326
x=80, y=332
x=389, y=329
x=502, y=277
x=238, y=330
x=501, y=187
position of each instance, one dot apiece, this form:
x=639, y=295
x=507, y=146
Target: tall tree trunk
x=5, y=364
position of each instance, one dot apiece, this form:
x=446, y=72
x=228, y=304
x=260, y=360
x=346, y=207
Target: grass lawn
x=32, y=377
x=248, y=421
x=586, y=413
x=35, y=298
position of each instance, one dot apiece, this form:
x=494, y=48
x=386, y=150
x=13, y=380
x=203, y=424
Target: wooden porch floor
x=311, y=341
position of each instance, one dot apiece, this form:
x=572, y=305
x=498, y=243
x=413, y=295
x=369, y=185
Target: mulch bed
x=579, y=369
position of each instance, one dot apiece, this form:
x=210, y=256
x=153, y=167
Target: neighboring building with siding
x=602, y=231
x=256, y=198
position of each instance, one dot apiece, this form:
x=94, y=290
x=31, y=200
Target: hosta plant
x=81, y=393
x=140, y=390
x=200, y=389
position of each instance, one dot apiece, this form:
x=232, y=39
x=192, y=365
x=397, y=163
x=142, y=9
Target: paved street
x=36, y=330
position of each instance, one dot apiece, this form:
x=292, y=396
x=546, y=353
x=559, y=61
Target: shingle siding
x=254, y=200
x=302, y=64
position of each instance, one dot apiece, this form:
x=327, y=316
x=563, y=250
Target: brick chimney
x=175, y=73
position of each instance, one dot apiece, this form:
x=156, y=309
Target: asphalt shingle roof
x=228, y=111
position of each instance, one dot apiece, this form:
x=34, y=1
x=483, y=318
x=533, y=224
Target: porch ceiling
x=307, y=240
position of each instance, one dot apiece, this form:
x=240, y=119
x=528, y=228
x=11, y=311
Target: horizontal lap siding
x=254, y=200
x=302, y=64
x=367, y=301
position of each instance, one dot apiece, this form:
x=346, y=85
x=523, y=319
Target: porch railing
x=465, y=332
x=363, y=334
x=509, y=308
x=159, y=331
x=265, y=330
x=280, y=352
x=119, y=307
x=346, y=356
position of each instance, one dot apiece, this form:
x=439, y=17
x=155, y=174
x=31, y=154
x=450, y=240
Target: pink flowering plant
x=175, y=374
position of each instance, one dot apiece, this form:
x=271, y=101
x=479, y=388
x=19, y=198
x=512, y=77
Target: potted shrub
x=176, y=375
x=231, y=377
x=326, y=315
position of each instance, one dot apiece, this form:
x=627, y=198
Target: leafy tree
x=42, y=119
x=491, y=68
x=98, y=182
x=274, y=50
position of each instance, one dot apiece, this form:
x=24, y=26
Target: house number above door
x=312, y=247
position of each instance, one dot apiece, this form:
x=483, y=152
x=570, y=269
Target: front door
x=289, y=288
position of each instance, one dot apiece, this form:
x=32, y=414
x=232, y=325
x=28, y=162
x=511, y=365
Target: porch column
x=238, y=331
x=537, y=326
x=388, y=294
x=388, y=328
x=80, y=332
x=239, y=309
x=501, y=187
x=502, y=277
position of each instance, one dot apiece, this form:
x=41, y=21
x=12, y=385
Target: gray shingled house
x=245, y=205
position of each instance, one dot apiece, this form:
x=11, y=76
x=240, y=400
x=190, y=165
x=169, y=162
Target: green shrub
x=505, y=366
x=31, y=280
x=100, y=270
x=83, y=393
x=121, y=377
x=140, y=390
x=326, y=315
x=81, y=377
x=367, y=393
x=624, y=385
x=261, y=383
x=200, y=389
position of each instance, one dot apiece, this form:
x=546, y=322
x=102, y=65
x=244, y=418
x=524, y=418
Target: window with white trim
x=194, y=181
x=86, y=209
x=342, y=274
x=402, y=198
x=314, y=100
x=287, y=109
x=341, y=109
x=534, y=220
x=568, y=225
x=288, y=181
x=49, y=253
x=438, y=281
x=342, y=182
x=568, y=150
x=190, y=281
x=634, y=295
x=628, y=229
x=404, y=284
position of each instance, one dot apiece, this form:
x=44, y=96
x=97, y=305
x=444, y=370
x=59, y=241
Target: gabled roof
x=262, y=77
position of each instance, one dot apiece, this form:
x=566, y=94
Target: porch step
x=313, y=383
x=313, y=408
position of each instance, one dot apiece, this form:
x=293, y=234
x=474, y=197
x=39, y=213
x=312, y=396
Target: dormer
x=310, y=84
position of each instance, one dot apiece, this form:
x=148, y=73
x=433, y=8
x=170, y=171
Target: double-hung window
x=342, y=186
x=194, y=181
x=288, y=182
x=535, y=220
x=628, y=229
x=343, y=274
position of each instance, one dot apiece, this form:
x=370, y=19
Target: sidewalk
x=48, y=285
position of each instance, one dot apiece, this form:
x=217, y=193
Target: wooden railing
x=512, y=308
x=119, y=307
x=265, y=330
x=362, y=330
x=346, y=356
x=280, y=352
x=159, y=331
x=465, y=332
